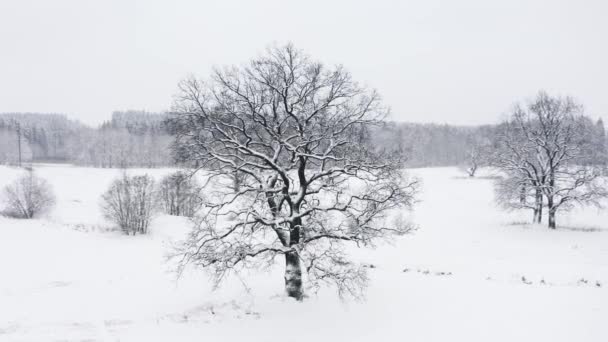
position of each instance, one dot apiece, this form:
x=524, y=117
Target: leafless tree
x=520, y=186
x=288, y=127
x=477, y=154
x=28, y=196
x=130, y=203
x=178, y=194
x=545, y=146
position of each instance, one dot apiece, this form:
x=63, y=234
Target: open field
x=470, y=272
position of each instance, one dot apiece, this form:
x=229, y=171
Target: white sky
x=461, y=62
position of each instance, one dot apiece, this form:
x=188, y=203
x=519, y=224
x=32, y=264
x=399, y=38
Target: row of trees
x=429, y=145
x=110, y=147
x=28, y=136
x=142, y=139
x=129, y=139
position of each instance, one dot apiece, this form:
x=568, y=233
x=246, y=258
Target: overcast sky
x=460, y=62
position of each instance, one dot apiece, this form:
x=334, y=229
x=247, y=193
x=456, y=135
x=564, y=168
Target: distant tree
x=290, y=129
x=178, y=194
x=478, y=153
x=546, y=146
x=130, y=203
x=28, y=196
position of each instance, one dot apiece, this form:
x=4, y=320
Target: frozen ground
x=470, y=273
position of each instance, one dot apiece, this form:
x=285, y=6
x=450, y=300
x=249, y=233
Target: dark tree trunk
x=538, y=206
x=550, y=202
x=552, y=224
x=472, y=170
x=293, y=269
x=536, y=218
x=293, y=276
x=552, y=211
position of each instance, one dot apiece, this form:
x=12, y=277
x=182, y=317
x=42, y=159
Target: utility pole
x=18, y=131
x=19, y=141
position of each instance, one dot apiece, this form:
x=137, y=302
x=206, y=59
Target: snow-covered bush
x=130, y=203
x=27, y=196
x=178, y=194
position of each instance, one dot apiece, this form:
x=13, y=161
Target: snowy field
x=469, y=273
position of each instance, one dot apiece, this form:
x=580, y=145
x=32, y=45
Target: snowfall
x=470, y=272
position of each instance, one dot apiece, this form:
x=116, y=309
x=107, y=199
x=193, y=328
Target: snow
x=470, y=272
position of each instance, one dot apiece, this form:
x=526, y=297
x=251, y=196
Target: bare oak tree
x=290, y=129
x=547, y=147
x=557, y=127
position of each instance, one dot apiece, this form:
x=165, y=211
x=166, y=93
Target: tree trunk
x=536, y=218
x=293, y=276
x=550, y=203
x=538, y=206
x=472, y=170
x=552, y=219
x=552, y=211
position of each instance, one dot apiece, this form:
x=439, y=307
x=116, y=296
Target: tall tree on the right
x=553, y=141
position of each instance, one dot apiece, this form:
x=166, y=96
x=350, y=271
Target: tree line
x=128, y=139
x=142, y=139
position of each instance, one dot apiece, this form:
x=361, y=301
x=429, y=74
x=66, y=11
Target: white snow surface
x=471, y=272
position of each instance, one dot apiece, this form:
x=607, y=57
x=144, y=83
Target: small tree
x=178, y=194
x=476, y=155
x=28, y=196
x=130, y=202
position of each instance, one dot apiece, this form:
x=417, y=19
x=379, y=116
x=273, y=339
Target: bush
x=129, y=202
x=28, y=196
x=178, y=194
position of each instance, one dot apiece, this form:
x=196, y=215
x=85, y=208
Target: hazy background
x=460, y=62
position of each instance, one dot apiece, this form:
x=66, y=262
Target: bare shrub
x=28, y=196
x=178, y=194
x=130, y=203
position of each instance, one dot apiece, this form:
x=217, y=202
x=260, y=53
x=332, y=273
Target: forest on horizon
x=137, y=138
